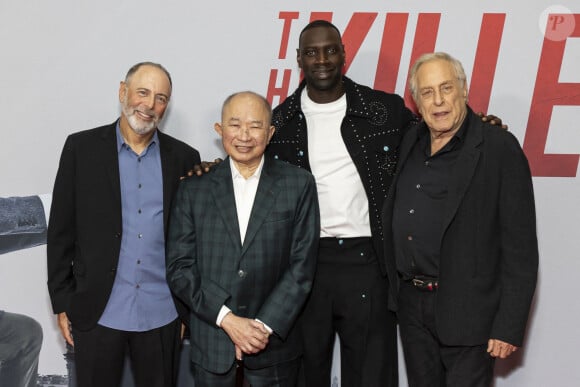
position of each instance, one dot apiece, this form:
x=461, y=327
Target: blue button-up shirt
x=140, y=299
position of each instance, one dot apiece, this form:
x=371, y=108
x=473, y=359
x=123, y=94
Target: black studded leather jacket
x=372, y=129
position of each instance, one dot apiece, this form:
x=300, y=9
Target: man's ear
x=298, y=59
x=218, y=128
x=122, y=91
x=272, y=129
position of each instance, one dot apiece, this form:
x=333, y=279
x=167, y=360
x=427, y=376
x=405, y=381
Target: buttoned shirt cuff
x=223, y=311
x=270, y=331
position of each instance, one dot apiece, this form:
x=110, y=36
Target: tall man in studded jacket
x=347, y=135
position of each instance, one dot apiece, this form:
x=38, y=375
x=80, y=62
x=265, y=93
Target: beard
x=140, y=127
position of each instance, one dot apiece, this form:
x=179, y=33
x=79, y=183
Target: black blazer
x=489, y=250
x=85, y=227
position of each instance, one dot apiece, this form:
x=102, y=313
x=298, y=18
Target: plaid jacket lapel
x=223, y=196
x=263, y=203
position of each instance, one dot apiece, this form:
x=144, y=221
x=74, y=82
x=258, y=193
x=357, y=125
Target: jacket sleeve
x=61, y=234
x=202, y=296
x=189, y=161
x=519, y=245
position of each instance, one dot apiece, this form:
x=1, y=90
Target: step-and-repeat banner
x=62, y=61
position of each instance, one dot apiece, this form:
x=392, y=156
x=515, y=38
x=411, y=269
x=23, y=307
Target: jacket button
x=118, y=235
x=242, y=274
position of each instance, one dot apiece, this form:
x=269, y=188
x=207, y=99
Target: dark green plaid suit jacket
x=268, y=277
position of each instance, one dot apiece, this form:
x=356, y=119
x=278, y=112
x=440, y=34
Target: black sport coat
x=489, y=250
x=85, y=227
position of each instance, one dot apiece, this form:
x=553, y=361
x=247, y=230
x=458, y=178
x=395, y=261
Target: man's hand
x=202, y=168
x=492, y=120
x=238, y=353
x=248, y=335
x=65, y=327
x=501, y=349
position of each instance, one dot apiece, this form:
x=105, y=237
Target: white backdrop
x=62, y=61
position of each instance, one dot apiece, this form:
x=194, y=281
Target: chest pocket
x=278, y=216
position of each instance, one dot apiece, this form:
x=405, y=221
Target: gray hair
x=137, y=66
x=459, y=72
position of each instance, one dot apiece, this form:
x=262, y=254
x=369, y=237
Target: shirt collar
x=121, y=139
x=237, y=175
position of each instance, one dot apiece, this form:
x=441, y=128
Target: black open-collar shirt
x=421, y=193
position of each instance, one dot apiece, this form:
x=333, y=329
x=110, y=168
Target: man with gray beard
x=106, y=239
